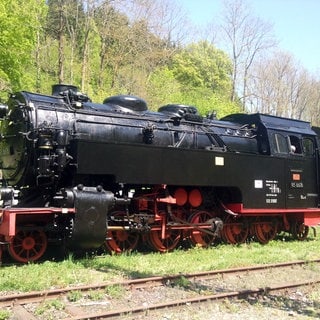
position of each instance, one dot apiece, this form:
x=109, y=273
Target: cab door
x=302, y=172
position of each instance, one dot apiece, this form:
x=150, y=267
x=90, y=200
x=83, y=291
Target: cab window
x=308, y=146
x=295, y=146
x=280, y=144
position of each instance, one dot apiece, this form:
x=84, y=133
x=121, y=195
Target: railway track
x=20, y=303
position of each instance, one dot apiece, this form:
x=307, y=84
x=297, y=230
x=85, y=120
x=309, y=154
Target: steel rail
x=35, y=296
x=193, y=300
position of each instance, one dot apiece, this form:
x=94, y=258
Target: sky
x=296, y=24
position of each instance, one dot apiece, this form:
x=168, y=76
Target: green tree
x=163, y=88
x=19, y=25
x=202, y=65
x=204, y=74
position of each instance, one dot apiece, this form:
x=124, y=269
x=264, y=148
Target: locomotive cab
x=290, y=178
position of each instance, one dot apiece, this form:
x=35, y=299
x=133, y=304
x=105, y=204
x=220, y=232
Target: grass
x=48, y=305
x=74, y=296
x=5, y=314
x=115, y=291
x=73, y=272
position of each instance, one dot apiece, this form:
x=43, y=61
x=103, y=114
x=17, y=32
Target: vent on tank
x=57, y=89
x=126, y=101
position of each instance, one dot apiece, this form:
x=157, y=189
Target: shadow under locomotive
x=87, y=175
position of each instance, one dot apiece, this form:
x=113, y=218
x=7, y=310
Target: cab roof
x=271, y=122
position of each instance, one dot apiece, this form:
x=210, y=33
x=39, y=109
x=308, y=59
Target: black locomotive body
x=88, y=175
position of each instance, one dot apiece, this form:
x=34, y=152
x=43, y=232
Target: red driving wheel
x=198, y=237
x=168, y=243
x=120, y=241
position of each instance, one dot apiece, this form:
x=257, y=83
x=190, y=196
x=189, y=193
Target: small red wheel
x=120, y=240
x=265, y=231
x=198, y=237
x=170, y=241
x=28, y=245
x=235, y=232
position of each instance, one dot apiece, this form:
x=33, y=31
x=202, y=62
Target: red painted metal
x=197, y=237
x=265, y=231
x=235, y=230
x=181, y=196
x=311, y=216
x=168, y=242
x=9, y=216
x=169, y=200
x=28, y=245
x=311, y=219
x=195, y=198
x=121, y=240
x=238, y=208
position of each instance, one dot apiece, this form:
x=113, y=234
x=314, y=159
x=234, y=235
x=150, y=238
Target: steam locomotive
x=89, y=175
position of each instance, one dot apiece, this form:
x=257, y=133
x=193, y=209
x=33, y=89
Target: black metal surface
x=50, y=143
x=90, y=222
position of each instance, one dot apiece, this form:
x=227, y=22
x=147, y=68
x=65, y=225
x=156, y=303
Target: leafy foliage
x=201, y=65
x=103, y=50
x=134, y=47
x=19, y=23
x=5, y=314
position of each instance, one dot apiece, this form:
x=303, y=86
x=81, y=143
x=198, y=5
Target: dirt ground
x=300, y=303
